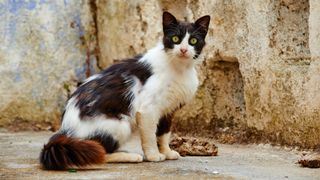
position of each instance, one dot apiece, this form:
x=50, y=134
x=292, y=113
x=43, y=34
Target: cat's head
x=184, y=40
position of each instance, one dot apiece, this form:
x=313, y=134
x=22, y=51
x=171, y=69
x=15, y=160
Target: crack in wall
x=94, y=12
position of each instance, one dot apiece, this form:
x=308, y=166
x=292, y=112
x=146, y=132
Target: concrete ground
x=19, y=160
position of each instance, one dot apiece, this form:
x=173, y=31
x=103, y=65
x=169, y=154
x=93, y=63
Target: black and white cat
x=123, y=114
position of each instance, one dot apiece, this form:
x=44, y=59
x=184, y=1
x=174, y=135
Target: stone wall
x=43, y=53
x=259, y=78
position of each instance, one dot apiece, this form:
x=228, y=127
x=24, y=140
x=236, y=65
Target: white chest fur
x=174, y=82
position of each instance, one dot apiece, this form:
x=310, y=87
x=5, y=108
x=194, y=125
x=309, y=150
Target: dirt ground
x=19, y=160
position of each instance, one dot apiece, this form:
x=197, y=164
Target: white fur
x=174, y=81
x=95, y=76
x=119, y=129
x=133, y=144
x=134, y=91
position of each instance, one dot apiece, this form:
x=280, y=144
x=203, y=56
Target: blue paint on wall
x=16, y=5
x=53, y=6
x=12, y=10
x=3, y=8
x=43, y=1
x=31, y=5
x=77, y=20
x=81, y=72
x=42, y=46
x=93, y=64
x=11, y=31
x=18, y=77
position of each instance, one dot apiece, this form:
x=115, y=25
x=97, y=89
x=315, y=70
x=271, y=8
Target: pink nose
x=183, y=50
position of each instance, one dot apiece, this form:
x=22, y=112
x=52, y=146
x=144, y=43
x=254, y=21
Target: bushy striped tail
x=62, y=152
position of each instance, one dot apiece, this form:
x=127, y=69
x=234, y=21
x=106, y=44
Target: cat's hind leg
x=130, y=151
x=123, y=157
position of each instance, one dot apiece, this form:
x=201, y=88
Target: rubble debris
x=190, y=146
x=311, y=160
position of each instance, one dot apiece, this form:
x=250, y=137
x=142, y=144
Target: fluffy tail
x=62, y=152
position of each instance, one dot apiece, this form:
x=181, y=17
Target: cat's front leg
x=147, y=123
x=164, y=148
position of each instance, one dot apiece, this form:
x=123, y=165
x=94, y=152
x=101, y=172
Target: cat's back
x=129, y=67
x=107, y=92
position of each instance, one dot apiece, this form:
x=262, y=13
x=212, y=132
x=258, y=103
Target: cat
x=123, y=114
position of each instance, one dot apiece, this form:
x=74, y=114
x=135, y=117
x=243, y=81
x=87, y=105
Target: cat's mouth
x=183, y=55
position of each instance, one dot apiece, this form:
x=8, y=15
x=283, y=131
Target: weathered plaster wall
x=259, y=79
x=43, y=53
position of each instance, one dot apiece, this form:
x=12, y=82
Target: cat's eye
x=193, y=41
x=175, y=39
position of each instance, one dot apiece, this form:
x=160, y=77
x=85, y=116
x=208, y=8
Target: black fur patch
x=106, y=140
x=64, y=111
x=108, y=94
x=164, y=125
x=173, y=27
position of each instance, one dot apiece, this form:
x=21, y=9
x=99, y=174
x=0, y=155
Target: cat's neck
x=163, y=61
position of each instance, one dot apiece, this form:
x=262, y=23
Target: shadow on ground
x=19, y=160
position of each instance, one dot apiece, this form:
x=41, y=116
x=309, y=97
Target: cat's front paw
x=155, y=157
x=171, y=154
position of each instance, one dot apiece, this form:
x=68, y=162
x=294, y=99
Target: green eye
x=193, y=41
x=175, y=39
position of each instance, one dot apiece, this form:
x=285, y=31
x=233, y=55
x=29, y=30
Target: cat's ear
x=168, y=19
x=203, y=22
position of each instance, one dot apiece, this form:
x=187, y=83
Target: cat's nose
x=183, y=50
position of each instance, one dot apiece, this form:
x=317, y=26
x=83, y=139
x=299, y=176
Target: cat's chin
x=185, y=60
x=183, y=56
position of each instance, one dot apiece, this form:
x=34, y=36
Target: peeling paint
x=16, y=5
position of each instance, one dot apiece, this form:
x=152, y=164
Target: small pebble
x=215, y=172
